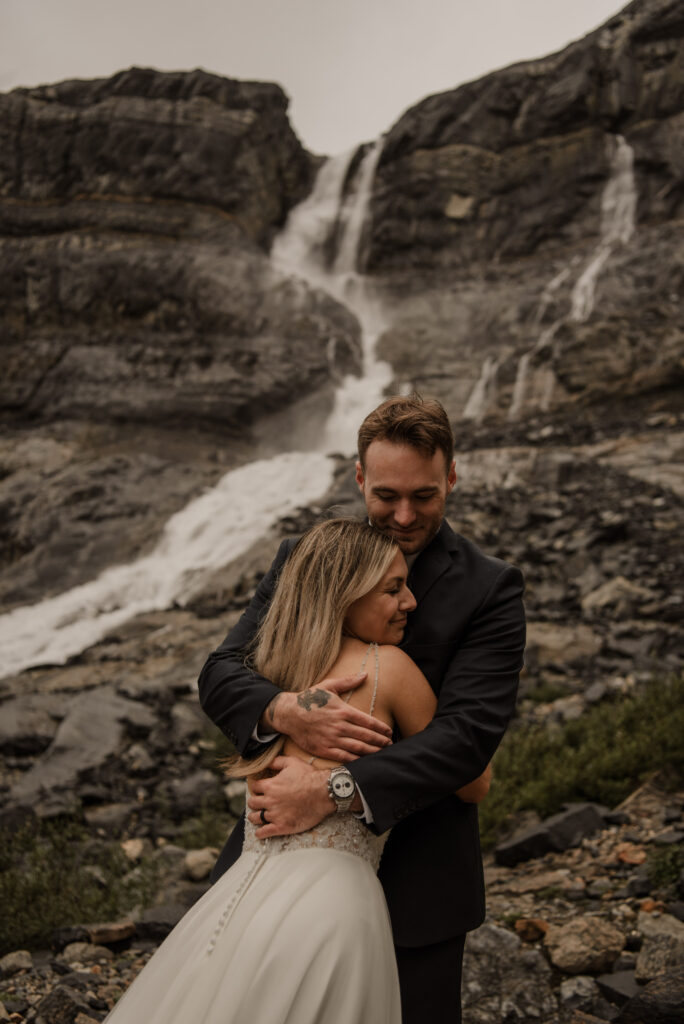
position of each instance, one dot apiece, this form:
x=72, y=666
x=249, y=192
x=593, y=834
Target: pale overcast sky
x=350, y=67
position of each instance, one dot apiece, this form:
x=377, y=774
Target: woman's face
x=380, y=614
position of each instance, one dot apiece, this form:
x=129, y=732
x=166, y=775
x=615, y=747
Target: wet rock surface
x=492, y=206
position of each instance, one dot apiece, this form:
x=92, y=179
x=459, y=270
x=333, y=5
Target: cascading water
x=481, y=395
x=297, y=250
x=215, y=528
x=618, y=210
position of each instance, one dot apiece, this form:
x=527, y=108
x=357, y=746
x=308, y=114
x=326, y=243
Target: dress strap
x=374, y=648
x=371, y=647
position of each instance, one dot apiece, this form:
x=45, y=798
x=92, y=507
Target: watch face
x=343, y=786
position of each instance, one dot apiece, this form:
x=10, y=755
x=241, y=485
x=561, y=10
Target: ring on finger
x=264, y=819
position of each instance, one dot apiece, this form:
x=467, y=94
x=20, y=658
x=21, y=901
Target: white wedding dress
x=295, y=932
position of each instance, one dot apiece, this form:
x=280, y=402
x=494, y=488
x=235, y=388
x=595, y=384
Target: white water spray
x=482, y=394
x=218, y=526
x=208, y=533
x=298, y=250
x=618, y=211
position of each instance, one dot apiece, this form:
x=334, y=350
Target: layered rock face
x=145, y=338
x=134, y=213
x=492, y=201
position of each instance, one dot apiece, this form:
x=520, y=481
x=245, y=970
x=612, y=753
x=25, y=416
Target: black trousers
x=430, y=981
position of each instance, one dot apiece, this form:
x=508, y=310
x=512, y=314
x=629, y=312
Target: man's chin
x=410, y=544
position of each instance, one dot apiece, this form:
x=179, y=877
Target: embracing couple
x=360, y=633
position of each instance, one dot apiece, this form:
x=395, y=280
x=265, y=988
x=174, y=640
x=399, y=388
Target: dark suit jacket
x=467, y=634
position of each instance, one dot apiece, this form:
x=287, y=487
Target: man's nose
x=408, y=601
x=404, y=513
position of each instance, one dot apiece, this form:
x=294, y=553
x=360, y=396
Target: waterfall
x=215, y=528
x=298, y=249
x=208, y=533
x=618, y=209
x=481, y=395
x=617, y=225
x=520, y=386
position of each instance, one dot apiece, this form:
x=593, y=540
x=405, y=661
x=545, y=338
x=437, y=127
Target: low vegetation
x=53, y=875
x=601, y=757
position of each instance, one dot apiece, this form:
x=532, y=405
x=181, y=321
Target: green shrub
x=602, y=756
x=47, y=881
x=664, y=865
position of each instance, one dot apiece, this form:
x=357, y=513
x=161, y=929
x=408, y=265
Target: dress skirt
x=301, y=936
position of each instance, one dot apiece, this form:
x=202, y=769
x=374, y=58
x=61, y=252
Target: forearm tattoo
x=313, y=698
x=271, y=709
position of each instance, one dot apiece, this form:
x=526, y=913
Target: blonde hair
x=334, y=564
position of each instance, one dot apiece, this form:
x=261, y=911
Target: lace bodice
x=337, y=832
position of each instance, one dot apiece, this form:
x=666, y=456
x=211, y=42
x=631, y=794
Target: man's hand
x=294, y=800
x=320, y=722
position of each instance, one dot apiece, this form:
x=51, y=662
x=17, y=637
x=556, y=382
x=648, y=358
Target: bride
x=297, y=930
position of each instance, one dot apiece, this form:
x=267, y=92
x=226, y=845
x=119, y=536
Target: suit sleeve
x=476, y=702
x=233, y=695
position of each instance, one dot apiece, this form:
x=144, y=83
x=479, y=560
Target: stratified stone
x=584, y=944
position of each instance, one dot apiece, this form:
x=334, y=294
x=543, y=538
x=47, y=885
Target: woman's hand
x=293, y=800
x=323, y=724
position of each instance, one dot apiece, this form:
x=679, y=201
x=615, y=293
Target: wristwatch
x=341, y=788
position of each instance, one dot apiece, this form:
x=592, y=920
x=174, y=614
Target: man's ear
x=359, y=476
x=451, y=477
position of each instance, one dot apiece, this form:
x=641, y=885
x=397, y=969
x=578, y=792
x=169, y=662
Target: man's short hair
x=421, y=423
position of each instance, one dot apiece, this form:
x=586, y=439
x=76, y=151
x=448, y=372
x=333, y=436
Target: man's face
x=405, y=492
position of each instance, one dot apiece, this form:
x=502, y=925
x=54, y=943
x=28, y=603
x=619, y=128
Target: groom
x=467, y=635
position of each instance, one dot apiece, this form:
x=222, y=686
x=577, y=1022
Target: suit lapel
x=432, y=563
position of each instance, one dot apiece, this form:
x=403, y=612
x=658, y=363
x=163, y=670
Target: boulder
x=658, y=955
x=85, y=953
x=91, y=732
x=155, y=923
x=199, y=863
x=618, y=987
x=12, y=963
x=660, y=1002
x=188, y=795
x=584, y=944
x=504, y=980
x=558, y=832
x=61, y=1006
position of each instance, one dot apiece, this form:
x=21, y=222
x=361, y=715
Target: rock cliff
x=134, y=214
x=501, y=226
x=146, y=341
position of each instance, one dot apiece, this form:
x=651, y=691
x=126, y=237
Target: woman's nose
x=408, y=601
